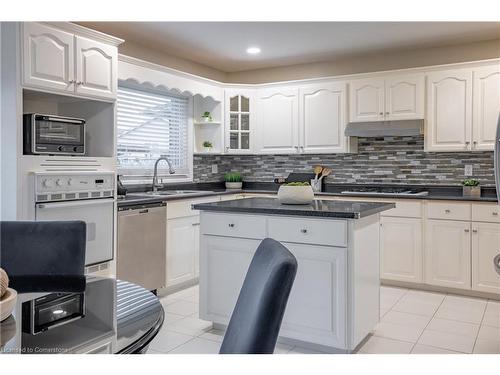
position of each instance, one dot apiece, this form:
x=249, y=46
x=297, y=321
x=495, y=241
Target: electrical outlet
x=215, y=168
x=468, y=170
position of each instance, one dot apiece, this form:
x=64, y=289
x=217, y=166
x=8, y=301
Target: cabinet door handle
x=474, y=231
x=447, y=211
x=466, y=230
x=495, y=213
x=387, y=113
x=381, y=113
x=231, y=225
x=303, y=230
x=195, y=224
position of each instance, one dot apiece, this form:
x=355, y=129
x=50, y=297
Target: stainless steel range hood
x=384, y=128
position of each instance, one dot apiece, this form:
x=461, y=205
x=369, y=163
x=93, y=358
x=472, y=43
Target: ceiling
x=222, y=45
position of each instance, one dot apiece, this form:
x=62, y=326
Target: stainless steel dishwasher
x=142, y=241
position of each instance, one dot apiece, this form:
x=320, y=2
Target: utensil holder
x=316, y=185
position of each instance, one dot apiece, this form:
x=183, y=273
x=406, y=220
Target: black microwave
x=47, y=134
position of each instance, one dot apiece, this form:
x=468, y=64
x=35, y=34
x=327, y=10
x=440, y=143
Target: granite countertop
x=138, y=196
x=318, y=208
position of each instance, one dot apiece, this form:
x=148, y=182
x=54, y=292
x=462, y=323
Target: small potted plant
x=296, y=193
x=206, y=116
x=207, y=145
x=233, y=180
x=471, y=188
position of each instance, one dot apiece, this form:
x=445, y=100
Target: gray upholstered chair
x=44, y=256
x=256, y=319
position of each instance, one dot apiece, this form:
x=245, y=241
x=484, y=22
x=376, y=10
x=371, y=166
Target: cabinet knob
x=495, y=213
x=231, y=225
x=447, y=211
x=381, y=113
x=303, y=230
x=466, y=230
x=387, y=113
x=474, y=231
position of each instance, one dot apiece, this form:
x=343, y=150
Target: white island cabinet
x=334, y=302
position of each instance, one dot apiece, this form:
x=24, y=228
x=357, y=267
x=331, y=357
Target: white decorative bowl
x=234, y=185
x=295, y=194
x=7, y=303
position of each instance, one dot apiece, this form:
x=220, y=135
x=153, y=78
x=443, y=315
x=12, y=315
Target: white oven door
x=97, y=213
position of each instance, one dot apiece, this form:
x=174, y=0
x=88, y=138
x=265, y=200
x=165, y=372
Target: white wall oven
x=80, y=196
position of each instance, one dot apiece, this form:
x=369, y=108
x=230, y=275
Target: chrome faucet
x=155, y=173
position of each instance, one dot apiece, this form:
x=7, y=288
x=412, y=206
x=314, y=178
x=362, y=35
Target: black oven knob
x=59, y=148
x=75, y=149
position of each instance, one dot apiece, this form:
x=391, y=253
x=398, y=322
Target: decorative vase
x=234, y=185
x=472, y=191
x=295, y=194
x=207, y=149
x=206, y=119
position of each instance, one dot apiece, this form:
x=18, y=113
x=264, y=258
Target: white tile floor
x=411, y=322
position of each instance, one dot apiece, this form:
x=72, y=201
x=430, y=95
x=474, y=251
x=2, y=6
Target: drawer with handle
x=244, y=226
x=486, y=212
x=449, y=211
x=309, y=231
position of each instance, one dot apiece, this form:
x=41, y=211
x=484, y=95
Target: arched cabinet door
x=322, y=111
x=367, y=100
x=96, y=66
x=277, y=121
x=404, y=97
x=486, y=107
x=47, y=58
x=449, y=110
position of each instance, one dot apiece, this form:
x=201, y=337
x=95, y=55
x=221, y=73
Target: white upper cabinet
x=59, y=60
x=48, y=57
x=278, y=121
x=449, y=106
x=96, y=66
x=322, y=111
x=366, y=100
x=486, y=106
x=389, y=98
x=404, y=97
x=240, y=121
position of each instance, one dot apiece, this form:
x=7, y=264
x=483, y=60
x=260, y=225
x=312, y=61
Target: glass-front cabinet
x=239, y=122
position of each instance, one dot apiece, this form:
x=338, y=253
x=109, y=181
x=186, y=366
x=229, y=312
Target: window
x=151, y=124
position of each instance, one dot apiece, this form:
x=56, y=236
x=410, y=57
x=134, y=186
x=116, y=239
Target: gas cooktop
x=385, y=191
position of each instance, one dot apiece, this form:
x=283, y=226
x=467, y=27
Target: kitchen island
x=334, y=303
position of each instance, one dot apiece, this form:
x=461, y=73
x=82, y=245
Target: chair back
x=256, y=319
x=32, y=251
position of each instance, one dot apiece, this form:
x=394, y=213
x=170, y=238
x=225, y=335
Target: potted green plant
x=207, y=145
x=206, y=116
x=471, y=188
x=296, y=193
x=233, y=180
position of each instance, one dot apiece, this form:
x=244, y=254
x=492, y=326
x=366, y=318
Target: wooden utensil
x=317, y=170
x=325, y=172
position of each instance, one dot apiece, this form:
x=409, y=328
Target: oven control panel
x=69, y=186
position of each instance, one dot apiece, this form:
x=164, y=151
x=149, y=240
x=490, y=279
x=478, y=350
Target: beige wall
x=372, y=63
x=130, y=48
x=355, y=64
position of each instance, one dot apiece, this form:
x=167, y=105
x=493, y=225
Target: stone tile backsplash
x=385, y=160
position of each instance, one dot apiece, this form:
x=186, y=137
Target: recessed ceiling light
x=253, y=50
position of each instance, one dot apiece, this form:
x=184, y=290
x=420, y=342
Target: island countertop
x=318, y=208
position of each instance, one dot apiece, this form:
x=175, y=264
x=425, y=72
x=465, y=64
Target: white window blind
x=149, y=125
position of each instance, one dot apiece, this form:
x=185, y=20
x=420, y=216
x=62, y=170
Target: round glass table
x=108, y=316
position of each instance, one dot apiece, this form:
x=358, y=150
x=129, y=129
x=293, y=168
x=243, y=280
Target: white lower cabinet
x=316, y=307
x=485, y=246
x=401, y=249
x=181, y=249
x=448, y=253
